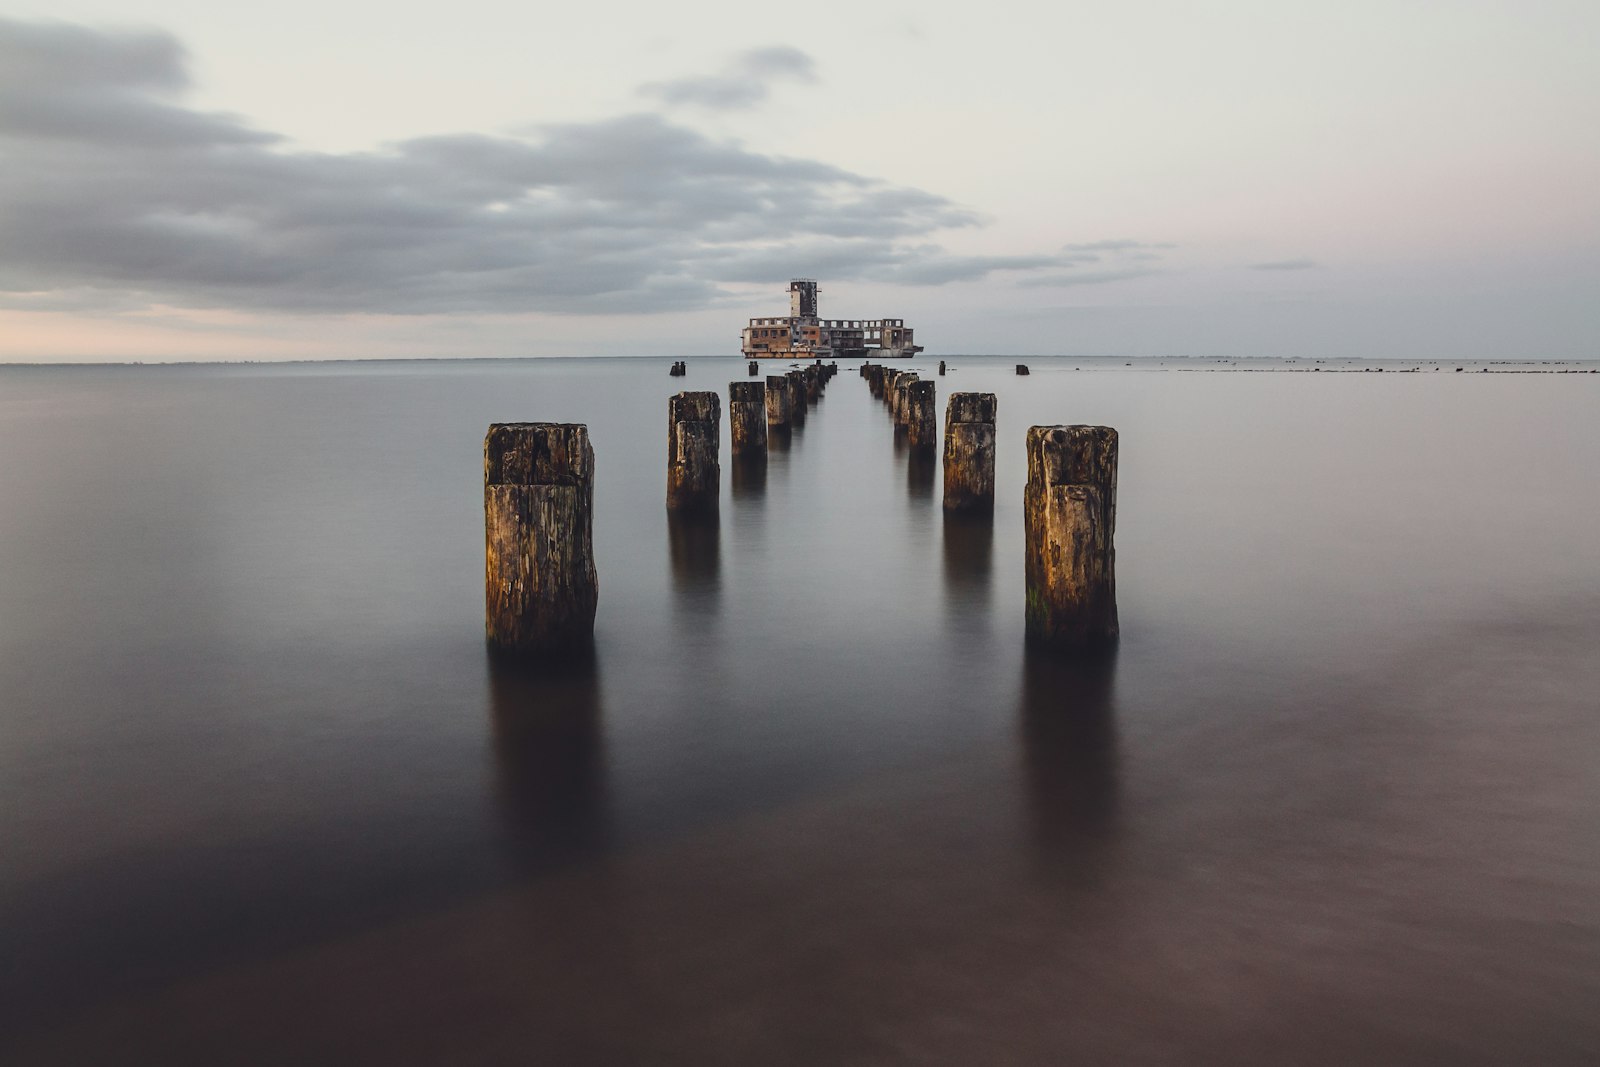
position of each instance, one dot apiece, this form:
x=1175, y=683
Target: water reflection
x=749, y=476
x=549, y=758
x=921, y=465
x=695, y=544
x=968, y=556
x=779, y=438
x=1069, y=742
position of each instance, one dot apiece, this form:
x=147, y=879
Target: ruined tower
x=803, y=298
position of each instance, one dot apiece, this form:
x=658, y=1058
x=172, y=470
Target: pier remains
x=540, y=589
x=1070, y=510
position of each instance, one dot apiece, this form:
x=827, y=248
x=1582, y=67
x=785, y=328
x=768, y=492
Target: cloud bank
x=745, y=82
x=115, y=195
x=1286, y=264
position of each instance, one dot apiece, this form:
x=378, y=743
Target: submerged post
x=754, y=368
x=540, y=588
x=747, y=417
x=797, y=397
x=922, y=427
x=899, y=405
x=1070, y=511
x=694, y=429
x=969, y=452
x=778, y=408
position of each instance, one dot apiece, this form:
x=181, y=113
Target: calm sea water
x=263, y=798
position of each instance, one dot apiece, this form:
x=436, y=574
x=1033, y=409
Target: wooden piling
x=754, y=368
x=900, y=407
x=969, y=420
x=540, y=586
x=747, y=417
x=694, y=428
x=778, y=407
x=1022, y=368
x=941, y=368
x=921, y=418
x=813, y=377
x=1070, y=512
x=797, y=397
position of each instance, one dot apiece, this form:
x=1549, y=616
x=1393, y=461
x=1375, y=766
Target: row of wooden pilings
x=541, y=589
x=757, y=411
x=1069, y=503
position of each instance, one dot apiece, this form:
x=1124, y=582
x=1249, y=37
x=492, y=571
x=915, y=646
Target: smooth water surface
x=263, y=797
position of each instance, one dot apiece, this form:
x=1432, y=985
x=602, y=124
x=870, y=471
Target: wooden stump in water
x=813, y=378
x=874, y=377
x=754, y=368
x=969, y=452
x=694, y=431
x=900, y=408
x=540, y=587
x=1022, y=368
x=1070, y=512
x=941, y=368
x=778, y=411
x=747, y=417
x=797, y=397
x=921, y=416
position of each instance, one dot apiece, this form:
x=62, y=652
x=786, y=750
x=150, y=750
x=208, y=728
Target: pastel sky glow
x=362, y=179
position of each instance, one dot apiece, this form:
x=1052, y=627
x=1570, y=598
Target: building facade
x=802, y=334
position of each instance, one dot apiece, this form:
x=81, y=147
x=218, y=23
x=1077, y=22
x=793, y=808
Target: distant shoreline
x=1190, y=364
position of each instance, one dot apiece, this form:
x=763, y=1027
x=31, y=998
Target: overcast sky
x=481, y=178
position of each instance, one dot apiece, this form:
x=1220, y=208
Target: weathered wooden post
x=941, y=368
x=797, y=397
x=540, y=587
x=922, y=427
x=747, y=417
x=875, y=372
x=1022, y=368
x=813, y=377
x=1070, y=511
x=901, y=408
x=694, y=432
x=778, y=409
x=969, y=452
x=754, y=368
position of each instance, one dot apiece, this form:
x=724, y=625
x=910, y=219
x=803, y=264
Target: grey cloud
x=1120, y=245
x=1100, y=277
x=1286, y=264
x=114, y=195
x=64, y=81
x=745, y=82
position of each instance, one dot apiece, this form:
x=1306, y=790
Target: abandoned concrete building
x=802, y=335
